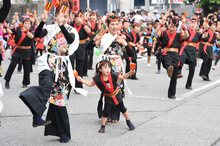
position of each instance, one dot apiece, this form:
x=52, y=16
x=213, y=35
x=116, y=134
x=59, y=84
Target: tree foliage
x=26, y=1
x=207, y=5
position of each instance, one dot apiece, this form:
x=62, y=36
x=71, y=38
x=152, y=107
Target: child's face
x=105, y=69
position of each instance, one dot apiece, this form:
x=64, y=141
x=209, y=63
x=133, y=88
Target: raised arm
x=4, y=10
x=87, y=83
x=185, y=34
x=40, y=32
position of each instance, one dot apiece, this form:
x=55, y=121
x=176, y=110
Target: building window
x=139, y=2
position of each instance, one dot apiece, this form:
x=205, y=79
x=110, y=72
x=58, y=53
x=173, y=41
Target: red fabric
x=77, y=28
x=22, y=38
x=135, y=37
x=171, y=37
x=111, y=89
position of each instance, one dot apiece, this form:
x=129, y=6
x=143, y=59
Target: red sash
x=135, y=37
x=171, y=37
x=77, y=28
x=192, y=35
x=111, y=89
x=23, y=35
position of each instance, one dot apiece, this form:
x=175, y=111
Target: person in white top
x=146, y=17
x=156, y=14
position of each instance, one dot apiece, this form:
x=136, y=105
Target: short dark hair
x=114, y=12
x=105, y=12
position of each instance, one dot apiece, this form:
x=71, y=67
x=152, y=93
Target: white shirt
x=137, y=18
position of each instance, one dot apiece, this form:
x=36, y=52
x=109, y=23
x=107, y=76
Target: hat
x=146, y=10
x=155, y=11
x=188, y=17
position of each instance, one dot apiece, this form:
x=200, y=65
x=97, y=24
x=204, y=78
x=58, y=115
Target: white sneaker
x=148, y=65
x=139, y=57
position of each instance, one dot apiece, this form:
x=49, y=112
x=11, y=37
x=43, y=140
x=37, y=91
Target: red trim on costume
x=77, y=28
x=111, y=85
x=211, y=34
x=135, y=37
x=93, y=24
x=23, y=35
x=16, y=29
x=171, y=37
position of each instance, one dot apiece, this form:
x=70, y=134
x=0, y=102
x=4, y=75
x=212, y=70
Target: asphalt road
x=190, y=120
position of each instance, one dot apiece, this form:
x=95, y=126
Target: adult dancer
x=171, y=43
x=206, y=52
x=188, y=51
x=23, y=40
x=55, y=74
x=133, y=38
x=80, y=54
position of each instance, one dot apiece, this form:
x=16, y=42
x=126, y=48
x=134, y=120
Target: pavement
x=190, y=120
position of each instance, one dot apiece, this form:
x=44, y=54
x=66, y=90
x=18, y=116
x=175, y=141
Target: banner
x=161, y=1
x=76, y=5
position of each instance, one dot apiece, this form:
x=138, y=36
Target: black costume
x=22, y=52
x=133, y=38
x=206, y=53
x=111, y=93
x=94, y=28
x=170, y=58
x=188, y=54
x=80, y=54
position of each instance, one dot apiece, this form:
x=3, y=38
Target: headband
x=113, y=19
x=99, y=64
x=173, y=23
x=58, y=3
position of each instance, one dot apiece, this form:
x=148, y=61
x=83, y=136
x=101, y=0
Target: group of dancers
x=69, y=45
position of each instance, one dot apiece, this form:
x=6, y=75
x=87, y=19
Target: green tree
x=208, y=6
x=26, y=1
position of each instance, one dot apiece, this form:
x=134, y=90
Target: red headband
x=99, y=64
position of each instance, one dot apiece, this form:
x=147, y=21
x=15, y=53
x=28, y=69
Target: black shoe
x=19, y=70
x=85, y=75
x=0, y=75
x=189, y=87
x=179, y=76
x=90, y=69
x=24, y=86
x=203, y=76
x=172, y=97
x=64, y=139
x=134, y=78
x=76, y=92
x=7, y=86
x=102, y=129
x=130, y=125
x=207, y=79
x=37, y=121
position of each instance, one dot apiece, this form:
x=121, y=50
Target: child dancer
x=106, y=81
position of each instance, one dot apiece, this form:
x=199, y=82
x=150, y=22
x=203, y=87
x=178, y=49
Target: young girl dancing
x=106, y=81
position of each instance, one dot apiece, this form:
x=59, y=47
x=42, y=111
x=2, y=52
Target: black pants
x=36, y=97
x=168, y=60
x=79, y=68
x=217, y=59
x=107, y=108
x=159, y=60
x=39, y=50
x=11, y=68
x=128, y=67
x=85, y=66
x=72, y=60
x=90, y=58
x=206, y=65
x=192, y=66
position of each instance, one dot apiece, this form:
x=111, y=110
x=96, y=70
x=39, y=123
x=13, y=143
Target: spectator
x=123, y=15
x=138, y=17
x=146, y=17
x=187, y=22
x=156, y=14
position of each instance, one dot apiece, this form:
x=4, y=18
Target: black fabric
x=171, y=58
x=85, y=66
x=192, y=66
x=196, y=38
x=90, y=58
x=90, y=45
x=165, y=40
x=207, y=38
x=59, y=122
x=107, y=109
x=129, y=51
x=159, y=55
x=39, y=33
x=127, y=69
x=11, y=67
x=4, y=10
x=82, y=33
x=70, y=37
x=18, y=34
x=37, y=96
x=206, y=65
x=130, y=38
x=209, y=51
x=79, y=68
x=190, y=53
